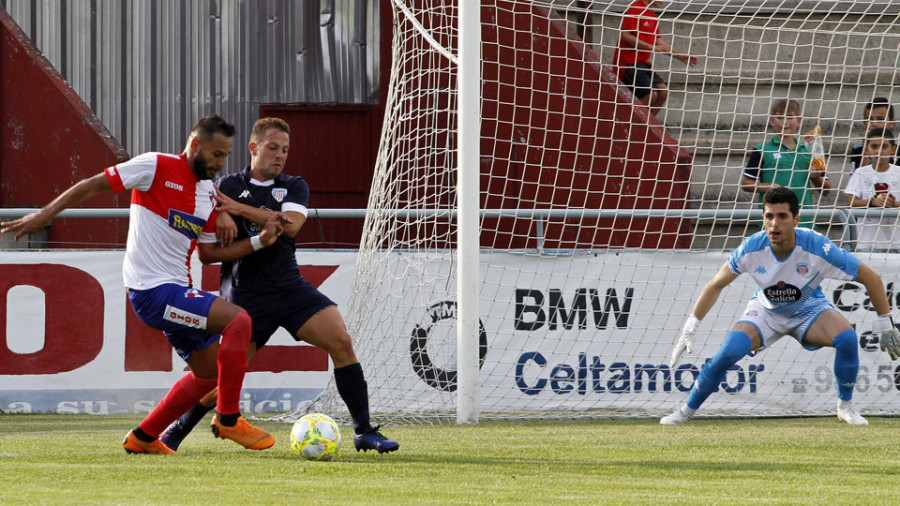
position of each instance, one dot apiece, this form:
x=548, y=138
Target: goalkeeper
x=788, y=263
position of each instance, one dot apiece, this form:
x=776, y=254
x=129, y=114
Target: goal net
x=601, y=219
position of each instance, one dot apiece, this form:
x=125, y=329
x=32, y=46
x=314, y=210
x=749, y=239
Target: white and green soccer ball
x=316, y=437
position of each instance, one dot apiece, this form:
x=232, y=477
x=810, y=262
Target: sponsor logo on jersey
x=174, y=186
x=187, y=224
x=193, y=293
x=802, y=268
x=826, y=247
x=279, y=193
x=244, y=194
x=753, y=312
x=782, y=292
x=186, y=318
x=761, y=270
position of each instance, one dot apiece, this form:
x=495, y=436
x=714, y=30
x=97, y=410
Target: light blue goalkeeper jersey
x=788, y=286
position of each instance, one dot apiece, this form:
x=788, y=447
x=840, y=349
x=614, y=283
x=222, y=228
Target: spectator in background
x=784, y=161
x=879, y=113
x=877, y=185
x=638, y=40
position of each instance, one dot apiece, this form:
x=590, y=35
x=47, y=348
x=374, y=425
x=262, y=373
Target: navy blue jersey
x=274, y=267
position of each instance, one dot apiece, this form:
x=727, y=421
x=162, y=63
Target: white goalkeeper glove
x=684, y=342
x=888, y=335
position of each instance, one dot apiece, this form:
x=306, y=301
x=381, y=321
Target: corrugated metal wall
x=150, y=68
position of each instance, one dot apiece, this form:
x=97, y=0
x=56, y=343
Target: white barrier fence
x=69, y=344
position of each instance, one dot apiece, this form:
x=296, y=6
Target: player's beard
x=200, y=167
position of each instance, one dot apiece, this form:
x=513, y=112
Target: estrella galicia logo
x=433, y=343
x=187, y=224
x=782, y=292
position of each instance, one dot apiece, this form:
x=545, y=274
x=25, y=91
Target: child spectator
x=877, y=185
x=638, y=41
x=785, y=161
x=879, y=113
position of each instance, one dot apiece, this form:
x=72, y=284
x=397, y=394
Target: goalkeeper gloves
x=684, y=342
x=888, y=335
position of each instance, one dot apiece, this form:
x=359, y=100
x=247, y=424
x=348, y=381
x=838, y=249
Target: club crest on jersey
x=782, y=292
x=802, y=268
x=187, y=224
x=279, y=193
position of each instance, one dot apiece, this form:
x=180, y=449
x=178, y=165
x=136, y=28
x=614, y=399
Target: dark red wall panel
x=50, y=140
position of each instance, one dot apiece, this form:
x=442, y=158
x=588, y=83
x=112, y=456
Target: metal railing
x=848, y=218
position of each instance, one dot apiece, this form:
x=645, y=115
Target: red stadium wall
x=50, y=140
x=584, y=132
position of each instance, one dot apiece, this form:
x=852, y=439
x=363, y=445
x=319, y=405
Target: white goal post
x=597, y=243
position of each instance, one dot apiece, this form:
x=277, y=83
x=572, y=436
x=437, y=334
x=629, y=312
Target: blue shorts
x=180, y=312
x=288, y=309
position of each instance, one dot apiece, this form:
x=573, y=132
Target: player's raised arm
x=76, y=194
x=211, y=252
x=704, y=303
x=259, y=216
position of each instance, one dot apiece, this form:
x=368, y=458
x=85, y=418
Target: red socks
x=232, y=361
x=186, y=392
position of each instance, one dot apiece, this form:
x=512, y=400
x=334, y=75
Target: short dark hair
x=879, y=102
x=880, y=133
x=782, y=195
x=213, y=124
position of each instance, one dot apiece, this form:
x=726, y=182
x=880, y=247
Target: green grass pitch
x=78, y=459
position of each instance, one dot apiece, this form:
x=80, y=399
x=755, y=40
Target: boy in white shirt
x=877, y=185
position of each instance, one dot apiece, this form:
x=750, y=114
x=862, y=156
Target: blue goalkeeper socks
x=846, y=363
x=736, y=345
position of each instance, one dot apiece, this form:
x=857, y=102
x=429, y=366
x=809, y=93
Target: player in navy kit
x=268, y=283
x=788, y=264
x=172, y=206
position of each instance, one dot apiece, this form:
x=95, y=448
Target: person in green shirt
x=785, y=161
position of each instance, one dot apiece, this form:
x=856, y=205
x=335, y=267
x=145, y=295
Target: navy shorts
x=180, y=312
x=288, y=309
x=641, y=79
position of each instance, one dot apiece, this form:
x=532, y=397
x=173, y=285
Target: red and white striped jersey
x=170, y=209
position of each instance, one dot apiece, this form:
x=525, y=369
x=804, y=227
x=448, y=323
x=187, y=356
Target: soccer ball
x=316, y=437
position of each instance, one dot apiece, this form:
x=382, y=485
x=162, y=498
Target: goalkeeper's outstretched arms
x=704, y=303
x=888, y=335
